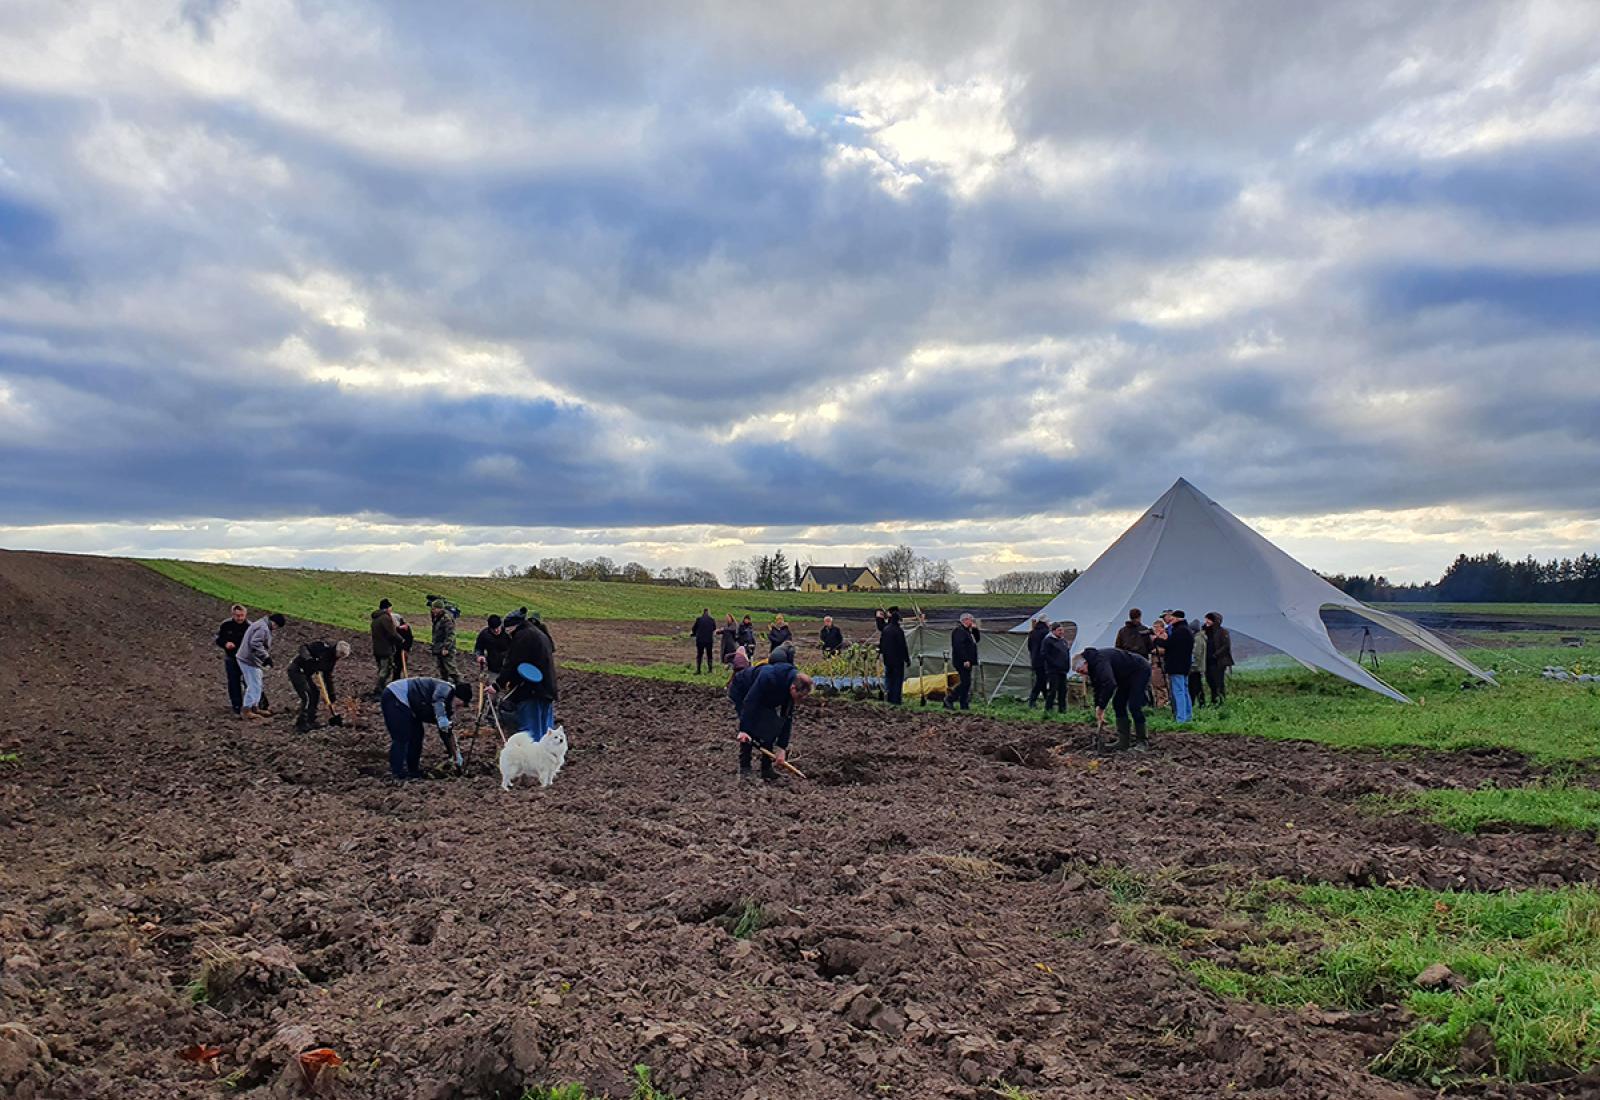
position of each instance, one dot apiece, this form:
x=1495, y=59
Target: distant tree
x=634, y=573
x=895, y=569
x=1030, y=582
x=738, y=574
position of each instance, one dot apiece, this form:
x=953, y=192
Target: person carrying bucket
x=527, y=681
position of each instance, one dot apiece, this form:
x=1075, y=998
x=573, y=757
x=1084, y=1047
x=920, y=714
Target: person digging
x=311, y=676
x=408, y=706
x=766, y=717
x=1122, y=679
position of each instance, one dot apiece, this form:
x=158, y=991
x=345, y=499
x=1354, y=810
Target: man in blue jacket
x=1121, y=678
x=766, y=715
x=408, y=705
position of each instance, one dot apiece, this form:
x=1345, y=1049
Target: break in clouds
x=990, y=276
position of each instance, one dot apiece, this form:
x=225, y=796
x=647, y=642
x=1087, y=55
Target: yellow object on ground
x=934, y=686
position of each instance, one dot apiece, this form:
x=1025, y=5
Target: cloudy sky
x=442, y=286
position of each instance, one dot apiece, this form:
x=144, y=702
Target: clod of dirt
x=100, y=920
x=25, y=1062
x=1031, y=753
x=1438, y=977
x=232, y=980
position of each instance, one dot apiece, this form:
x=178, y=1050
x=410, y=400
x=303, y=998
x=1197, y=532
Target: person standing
x=1219, y=657
x=229, y=635
x=1036, y=636
x=528, y=679
x=1134, y=635
x=311, y=676
x=896, y=656
x=1197, y=665
x=747, y=637
x=705, y=632
x=443, y=643
x=779, y=632
x=408, y=706
x=1177, y=659
x=964, y=656
x=1055, y=658
x=1121, y=678
x=255, y=657
x=730, y=638
x=766, y=716
x=385, y=645
x=491, y=645
x=832, y=637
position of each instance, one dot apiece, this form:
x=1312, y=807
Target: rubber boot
x=1122, y=744
x=1141, y=743
x=745, y=752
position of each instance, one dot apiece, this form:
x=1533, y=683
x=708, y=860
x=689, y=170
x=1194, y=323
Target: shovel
x=1099, y=733
x=781, y=763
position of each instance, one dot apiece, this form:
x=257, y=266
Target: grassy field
x=1526, y=965
x=1557, y=804
x=348, y=599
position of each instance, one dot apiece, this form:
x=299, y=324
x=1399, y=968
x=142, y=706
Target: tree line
x=901, y=569
x=604, y=569
x=1487, y=578
x=1030, y=582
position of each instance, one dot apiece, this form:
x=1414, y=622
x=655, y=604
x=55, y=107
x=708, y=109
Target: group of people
x=1194, y=657
x=515, y=655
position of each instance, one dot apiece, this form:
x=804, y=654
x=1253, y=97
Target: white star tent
x=1189, y=552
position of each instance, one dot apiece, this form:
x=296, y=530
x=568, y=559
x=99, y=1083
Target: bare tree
x=737, y=574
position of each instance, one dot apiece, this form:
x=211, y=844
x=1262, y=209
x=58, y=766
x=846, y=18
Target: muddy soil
x=172, y=878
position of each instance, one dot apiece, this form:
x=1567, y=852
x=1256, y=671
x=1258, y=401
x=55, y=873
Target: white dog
x=522, y=755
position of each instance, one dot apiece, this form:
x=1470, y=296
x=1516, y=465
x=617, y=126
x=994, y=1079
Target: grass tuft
x=752, y=919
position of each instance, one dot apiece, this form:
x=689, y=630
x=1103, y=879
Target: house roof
x=838, y=574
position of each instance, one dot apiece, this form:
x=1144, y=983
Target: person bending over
x=311, y=676
x=408, y=706
x=1122, y=679
x=766, y=716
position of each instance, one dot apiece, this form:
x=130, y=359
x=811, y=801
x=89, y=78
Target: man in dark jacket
x=1055, y=660
x=1219, y=656
x=896, y=656
x=385, y=645
x=705, y=632
x=311, y=676
x=1177, y=658
x=491, y=646
x=1122, y=679
x=831, y=636
x=766, y=715
x=531, y=692
x=964, y=656
x=409, y=705
x=229, y=635
x=1036, y=637
x=1134, y=635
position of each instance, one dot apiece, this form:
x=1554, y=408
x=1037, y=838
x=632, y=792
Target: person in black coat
x=311, y=674
x=492, y=644
x=896, y=656
x=730, y=638
x=747, y=637
x=964, y=656
x=831, y=636
x=779, y=633
x=533, y=700
x=1036, y=637
x=705, y=632
x=1177, y=660
x=766, y=715
x=1122, y=679
x=1219, y=656
x=1055, y=661
x=229, y=635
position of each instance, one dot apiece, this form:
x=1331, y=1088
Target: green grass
x=10, y=758
x=644, y=1088
x=751, y=920
x=348, y=599
x=1548, y=721
x=1529, y=962
x=1553, y=805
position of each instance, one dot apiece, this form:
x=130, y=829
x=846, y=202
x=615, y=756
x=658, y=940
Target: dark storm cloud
x=621, y=264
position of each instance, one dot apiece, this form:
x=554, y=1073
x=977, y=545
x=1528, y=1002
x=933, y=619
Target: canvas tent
x=1189, y=552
